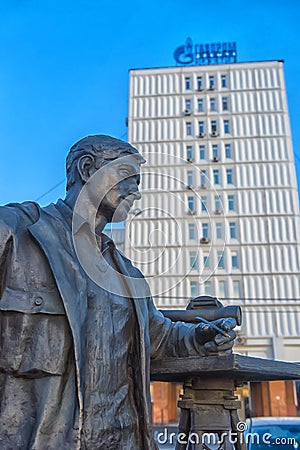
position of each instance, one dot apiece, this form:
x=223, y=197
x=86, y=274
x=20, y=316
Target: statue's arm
x=6, y=240
x=179, y=339
x=170, y=339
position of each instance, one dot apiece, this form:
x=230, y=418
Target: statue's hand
x=212, y=340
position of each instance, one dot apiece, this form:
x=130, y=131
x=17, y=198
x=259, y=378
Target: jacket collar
x=67, y=213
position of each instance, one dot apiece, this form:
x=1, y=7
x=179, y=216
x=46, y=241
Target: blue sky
x=64, y=70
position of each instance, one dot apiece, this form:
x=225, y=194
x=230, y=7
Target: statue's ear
x=86, y=167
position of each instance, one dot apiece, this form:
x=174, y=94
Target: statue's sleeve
x=171, y=339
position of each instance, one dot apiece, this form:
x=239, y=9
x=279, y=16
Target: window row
x=220, y=259
x=203, y=105
x=230, y=204
x=222, y=289
x=206, y=81
x=216, y=230
x=213, y=127
x=253, y=76
x=240, y=150
x=191, y=178
x=262, y=125
x=244, y=103
x=206, y=152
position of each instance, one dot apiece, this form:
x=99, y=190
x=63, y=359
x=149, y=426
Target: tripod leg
x=183, y=428
x=240, y=444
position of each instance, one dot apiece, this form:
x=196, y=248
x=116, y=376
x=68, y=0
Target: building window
x=201, y=127
x=207, y=288
x=228, y=150
x=232, y=230
x=236, y=289
x=211, y=82
x=194, y=288
x=213, y=125
x=215, y=150
x=202, y=151
x=205, y=260
x=187, y=83
x=226, y=127
x=219, y=230
x=193, y=260
x=203, y=177
x=218, y=203
x=205, y=230
x=204, y=203
x=212, y=103
x=234, y=260
x=191, y=231
x=188, y=105
x=229, y=176
x=216, y=176
x=222, y=291
x=189, y=152
x=225, y=103
x=231, y=203
x=220, y=257
x=189, y=177
x=199, y=83
x=200, y=105
x=223, y=81
x=191, y=203
x=188, y=128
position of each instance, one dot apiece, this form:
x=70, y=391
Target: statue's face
x=121, y=178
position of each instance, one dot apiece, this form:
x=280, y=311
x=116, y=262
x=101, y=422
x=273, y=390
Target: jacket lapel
x=54, y=237
x=142, y=317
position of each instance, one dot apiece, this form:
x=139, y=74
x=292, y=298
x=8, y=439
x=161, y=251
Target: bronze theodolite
x=209, y=417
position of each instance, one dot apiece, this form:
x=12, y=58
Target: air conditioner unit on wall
x=240, y=339
x=204, y=240
x=201, y=135
x=214, y=133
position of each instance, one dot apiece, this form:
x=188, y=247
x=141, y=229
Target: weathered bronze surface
x=78, y=326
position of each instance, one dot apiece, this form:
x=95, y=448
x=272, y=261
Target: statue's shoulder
x=15, y=214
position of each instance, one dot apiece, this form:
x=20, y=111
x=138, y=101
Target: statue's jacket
x=43, y=309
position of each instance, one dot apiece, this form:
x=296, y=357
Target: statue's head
x=98, y=149
x=117, y=164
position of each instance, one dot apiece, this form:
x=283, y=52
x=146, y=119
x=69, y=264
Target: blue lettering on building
x=202, y=54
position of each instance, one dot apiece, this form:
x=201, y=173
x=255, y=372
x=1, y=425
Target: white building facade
x=219, y=213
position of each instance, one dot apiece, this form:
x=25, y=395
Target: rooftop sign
x=202, y=54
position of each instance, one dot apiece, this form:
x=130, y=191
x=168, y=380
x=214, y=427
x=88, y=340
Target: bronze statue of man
x=77, y=329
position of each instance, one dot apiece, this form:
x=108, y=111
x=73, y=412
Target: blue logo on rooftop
x=202, y=54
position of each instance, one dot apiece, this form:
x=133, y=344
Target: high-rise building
x=219, y=213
